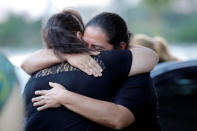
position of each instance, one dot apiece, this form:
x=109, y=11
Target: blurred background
x=175, y=20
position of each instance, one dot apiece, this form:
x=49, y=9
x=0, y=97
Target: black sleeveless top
x=116, y=65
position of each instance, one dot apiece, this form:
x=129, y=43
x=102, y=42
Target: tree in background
x=156, y=7
x=18, y=30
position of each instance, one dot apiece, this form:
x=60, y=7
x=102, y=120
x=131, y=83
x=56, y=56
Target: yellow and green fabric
x=8, y=79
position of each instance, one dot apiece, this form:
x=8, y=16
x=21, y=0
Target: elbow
x=118, y=125
x=121, y=123
x=23, y=66
x=26, y=69
x=118, y=118
x=155, y=59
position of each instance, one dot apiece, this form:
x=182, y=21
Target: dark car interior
x=177, y=94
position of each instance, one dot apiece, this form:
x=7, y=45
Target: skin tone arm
x=42, y=56
x=144, y=60
x=102, y=112
x=45, y=58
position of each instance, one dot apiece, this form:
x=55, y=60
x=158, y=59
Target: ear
x=122, y=45
x=79, y=35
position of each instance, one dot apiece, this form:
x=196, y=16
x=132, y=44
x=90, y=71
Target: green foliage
x=155, y=5
x=175, y=27
x=18, y=31
x=180, y=27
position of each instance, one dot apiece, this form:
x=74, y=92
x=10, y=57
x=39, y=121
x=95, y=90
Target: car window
x=178, y=102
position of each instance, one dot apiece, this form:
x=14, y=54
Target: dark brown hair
x=60, y=33
x=77, y=15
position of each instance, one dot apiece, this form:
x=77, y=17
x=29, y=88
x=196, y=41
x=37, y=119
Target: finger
x=87, y=71
x=41, y=92
x=87, y=68
x=96, y=67
x=56, y=85
x=36, y=99
x=92, y=72
x=44, y=107
x=99, y=67
x=83, y=68
x=95, y=63
x=99, y=70
x=51, y=84
x=40, y=103
x=92, y=69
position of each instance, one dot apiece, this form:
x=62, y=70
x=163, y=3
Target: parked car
x=176, y=85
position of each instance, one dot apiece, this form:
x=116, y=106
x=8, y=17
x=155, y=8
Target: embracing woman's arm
x=144, y=60
x=45, y=58
x=39, y=60
x=105, y=113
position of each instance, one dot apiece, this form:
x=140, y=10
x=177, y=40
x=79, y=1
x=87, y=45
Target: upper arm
x=144, y=60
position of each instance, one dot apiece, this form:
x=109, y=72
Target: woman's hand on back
x=49, y=98
x=85, y=63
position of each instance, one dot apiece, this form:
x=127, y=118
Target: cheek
x=88, y=42
x=109, y=46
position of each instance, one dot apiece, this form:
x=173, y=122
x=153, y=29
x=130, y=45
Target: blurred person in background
x=158, y=44
x=11, y=103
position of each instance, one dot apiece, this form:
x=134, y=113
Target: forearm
x=102, y=112
x=39, y=60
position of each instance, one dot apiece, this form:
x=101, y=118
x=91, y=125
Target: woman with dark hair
x=116, y=66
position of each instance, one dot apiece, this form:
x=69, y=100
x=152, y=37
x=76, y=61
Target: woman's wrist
x=65, y=56
x=64, y=97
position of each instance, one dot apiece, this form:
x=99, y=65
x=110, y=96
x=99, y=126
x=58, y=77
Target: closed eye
x=98, y=48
